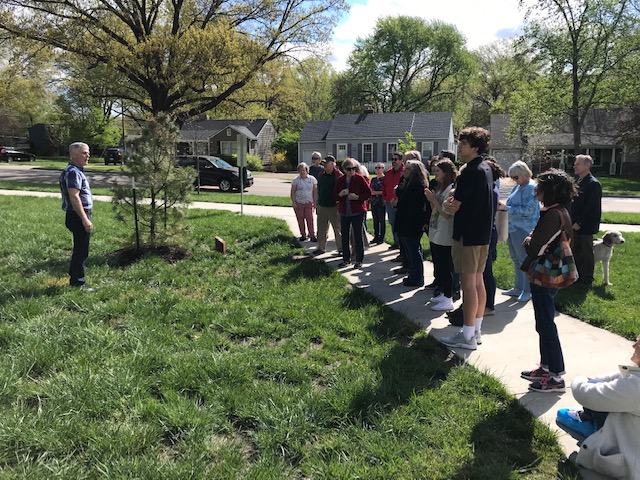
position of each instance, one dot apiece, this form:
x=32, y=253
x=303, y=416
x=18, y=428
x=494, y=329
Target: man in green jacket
x=326, y=206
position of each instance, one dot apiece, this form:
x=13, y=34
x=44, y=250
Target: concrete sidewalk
x=510, y=342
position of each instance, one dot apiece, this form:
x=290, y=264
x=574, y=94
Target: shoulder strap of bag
x=555, y=238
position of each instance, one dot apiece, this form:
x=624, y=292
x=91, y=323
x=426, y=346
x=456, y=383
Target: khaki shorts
x=471, y=259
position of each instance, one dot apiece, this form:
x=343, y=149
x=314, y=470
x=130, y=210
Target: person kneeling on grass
x=610, y=420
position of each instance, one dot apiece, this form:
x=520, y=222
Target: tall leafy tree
x=405, y=65
x=503, y=70
x=26, y=93
x=584, y=43
x=273, y=93
x=179, y=57
x=315, y=77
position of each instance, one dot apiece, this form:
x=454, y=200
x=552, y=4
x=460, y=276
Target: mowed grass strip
x=207, y=194
x=615, y=307
x=261, y=363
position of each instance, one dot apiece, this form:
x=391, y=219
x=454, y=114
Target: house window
x=342, y=152
x=427, y=151
x=391, y=149
x=367, y=153
x=229, y=148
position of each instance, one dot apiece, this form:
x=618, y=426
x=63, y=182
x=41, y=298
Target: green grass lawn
x=620, y=186
x=613, y=307
x=621, y=217
x=259, y=364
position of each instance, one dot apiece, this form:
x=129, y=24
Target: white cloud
x=480, y=22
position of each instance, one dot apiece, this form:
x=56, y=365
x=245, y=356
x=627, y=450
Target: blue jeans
x=413, y=256
x=80, y=249
x=545, y=311
x=518, y=255
x=379, y=220
x=353, y=223
x=391, y=215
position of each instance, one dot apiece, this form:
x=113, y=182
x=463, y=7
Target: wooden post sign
x=221, y=245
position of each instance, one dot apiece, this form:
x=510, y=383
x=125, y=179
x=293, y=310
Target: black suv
x=10, y=154
x=112, y=155
x=215, y=171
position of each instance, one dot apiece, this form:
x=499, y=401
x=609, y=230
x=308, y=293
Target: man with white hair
x=77, y=202
x=586, y=212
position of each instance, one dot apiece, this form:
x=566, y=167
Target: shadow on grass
x=504, y=443
x=59, y=267
x=576, y=295
x=9, y=296
x=412, y=365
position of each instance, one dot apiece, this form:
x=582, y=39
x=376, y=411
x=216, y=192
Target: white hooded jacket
x=614, y=450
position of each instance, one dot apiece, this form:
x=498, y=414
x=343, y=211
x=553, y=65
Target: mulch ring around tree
x=168, y=253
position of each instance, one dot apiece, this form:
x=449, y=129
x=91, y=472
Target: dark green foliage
x=161, y=189
x=287, y=143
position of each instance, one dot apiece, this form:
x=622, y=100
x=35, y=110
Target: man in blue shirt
x=77, y=202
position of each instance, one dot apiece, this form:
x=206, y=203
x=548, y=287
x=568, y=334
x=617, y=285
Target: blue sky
x=480, y=22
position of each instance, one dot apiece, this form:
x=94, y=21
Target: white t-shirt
x=304, y=188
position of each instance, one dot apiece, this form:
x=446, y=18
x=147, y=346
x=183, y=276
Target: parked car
x=215, y=171
x=112, y=155
x=10, y=154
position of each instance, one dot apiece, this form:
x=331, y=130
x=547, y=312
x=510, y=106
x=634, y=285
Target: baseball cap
x=330, y=158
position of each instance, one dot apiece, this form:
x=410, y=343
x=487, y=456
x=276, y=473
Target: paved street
x=273, y=184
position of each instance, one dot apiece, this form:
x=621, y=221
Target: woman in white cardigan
x=614, y=448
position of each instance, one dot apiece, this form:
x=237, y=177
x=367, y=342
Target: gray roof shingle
x=600, y=128
x=209, y=128
x=315, y=131
x=383, y=125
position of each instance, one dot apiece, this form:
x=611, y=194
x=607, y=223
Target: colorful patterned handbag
x=556, y=268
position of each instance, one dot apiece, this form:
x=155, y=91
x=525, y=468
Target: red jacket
x=357, y=185
x=389, y=182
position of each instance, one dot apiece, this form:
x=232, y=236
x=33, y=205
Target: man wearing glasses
x=316, y=169
x=391, y=179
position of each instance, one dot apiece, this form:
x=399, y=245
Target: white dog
x=603, y=249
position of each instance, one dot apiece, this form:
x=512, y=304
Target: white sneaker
x=458, y=341
x=479, y=338
x=445, y=304
x=437, y=298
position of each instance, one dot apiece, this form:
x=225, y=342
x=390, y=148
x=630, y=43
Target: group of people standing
x=457, y=210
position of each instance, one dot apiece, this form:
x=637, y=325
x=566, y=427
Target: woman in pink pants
x=303, y=194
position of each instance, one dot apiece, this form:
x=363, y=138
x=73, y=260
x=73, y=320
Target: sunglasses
x=378, y=168
x=348, y=169
x=515, y=177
